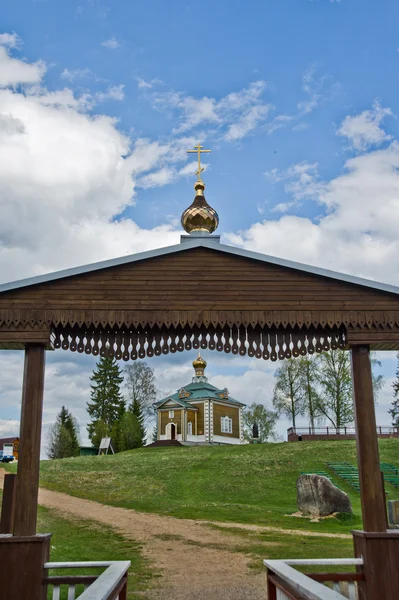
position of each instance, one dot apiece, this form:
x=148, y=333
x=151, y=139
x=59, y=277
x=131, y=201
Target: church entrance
x=171, y=431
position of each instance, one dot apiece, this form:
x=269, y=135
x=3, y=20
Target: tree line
x=317, y=387
x=120, y=407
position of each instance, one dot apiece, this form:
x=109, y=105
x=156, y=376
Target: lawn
x=76, y=540
x=244, y=484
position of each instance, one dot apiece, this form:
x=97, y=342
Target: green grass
x=273, y=545
x=83, y=540
x=244, y=484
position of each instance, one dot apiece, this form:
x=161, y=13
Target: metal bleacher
x=350, y=474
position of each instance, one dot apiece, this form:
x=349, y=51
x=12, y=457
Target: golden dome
x=199, y=362
x=199, y=216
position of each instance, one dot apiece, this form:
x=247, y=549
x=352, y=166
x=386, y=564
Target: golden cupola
x=199, y=217
x=199, y=365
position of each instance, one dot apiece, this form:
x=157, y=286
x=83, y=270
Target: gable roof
x=199, y=391
x=206, y=242
x=175, y=398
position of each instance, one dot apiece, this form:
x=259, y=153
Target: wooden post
x=25, y=516
x=371, y=489
x=22, y=574
x=8, y=504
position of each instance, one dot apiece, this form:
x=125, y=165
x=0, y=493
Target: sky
x=99, y=101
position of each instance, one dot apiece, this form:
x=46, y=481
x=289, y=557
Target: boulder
x=319, y=497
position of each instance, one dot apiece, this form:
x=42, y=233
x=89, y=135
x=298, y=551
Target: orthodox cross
x=198, y=150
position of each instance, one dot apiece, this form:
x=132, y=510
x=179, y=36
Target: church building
x=200, y=413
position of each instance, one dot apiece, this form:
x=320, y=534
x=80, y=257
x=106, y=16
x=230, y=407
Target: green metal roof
x=199, y=391
x=175, y=398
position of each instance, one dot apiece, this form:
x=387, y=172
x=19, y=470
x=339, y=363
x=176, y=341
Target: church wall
x=191, y=418
x=200, y=418
x=165, y=419
x=221, y=410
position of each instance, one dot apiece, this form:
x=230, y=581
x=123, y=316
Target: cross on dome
x=199, y=217
x=198, y=150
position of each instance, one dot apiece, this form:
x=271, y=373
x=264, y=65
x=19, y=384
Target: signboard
x=105, y=442
x=105, y=445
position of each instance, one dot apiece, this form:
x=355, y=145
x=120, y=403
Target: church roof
x=200, y=391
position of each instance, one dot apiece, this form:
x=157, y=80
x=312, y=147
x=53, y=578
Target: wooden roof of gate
x=199, y=284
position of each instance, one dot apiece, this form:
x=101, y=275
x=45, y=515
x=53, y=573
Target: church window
x=190, y=428
x=171, y=414
x=226, y=424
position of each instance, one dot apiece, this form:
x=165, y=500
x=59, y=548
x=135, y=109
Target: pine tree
x=155, y=433
x=69, y=422
x=106, y=403
x=136, y=410
x=63, y=437
x=394, y=411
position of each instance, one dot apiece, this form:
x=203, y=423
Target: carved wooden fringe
x=141, y=342
x=21, y=317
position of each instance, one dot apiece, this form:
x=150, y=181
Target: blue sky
x=100, y=100
x=348, y=49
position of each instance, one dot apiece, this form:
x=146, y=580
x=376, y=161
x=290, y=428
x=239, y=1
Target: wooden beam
x=371, y=488
x=8, y=504
x=29, y=448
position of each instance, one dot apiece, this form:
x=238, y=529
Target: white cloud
x=74, y=74
x=317, y=89
x=14, y=71
x=66, y=177
x=142, y=84
x=312, y=87
x=364, y=130
x=158, y=178
x=357, y=232
x=113, y=92
x=236, y=114
x=247, y=123
x=11, y=40
x=301, y=180
x=9, y=428
x=112, y=43
x=169, y=174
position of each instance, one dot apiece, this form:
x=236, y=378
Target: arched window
x=190, y=428
x=226, y=425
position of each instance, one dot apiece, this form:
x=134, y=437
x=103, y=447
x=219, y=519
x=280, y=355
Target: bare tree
x=335, y=381
x=288, y=392
x=308, y=367
x=140, y=385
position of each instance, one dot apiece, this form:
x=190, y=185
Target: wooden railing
x=381, y=430
x=110, y=585
x=286, y=583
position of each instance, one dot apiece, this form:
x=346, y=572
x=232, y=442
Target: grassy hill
x=244, y=484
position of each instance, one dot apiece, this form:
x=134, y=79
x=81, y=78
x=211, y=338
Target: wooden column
x=25, y=516
x=371, y=487
x=8, y=504
x=22, y=574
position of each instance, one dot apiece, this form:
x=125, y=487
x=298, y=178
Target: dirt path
x=195, y=560
x=189, y=569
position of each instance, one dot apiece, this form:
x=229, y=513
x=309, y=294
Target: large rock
x=317, y=496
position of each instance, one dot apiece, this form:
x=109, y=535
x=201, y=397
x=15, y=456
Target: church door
x=172, y=432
